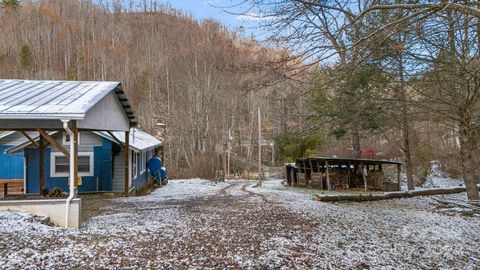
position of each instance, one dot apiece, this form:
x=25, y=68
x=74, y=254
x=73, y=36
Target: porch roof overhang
x=138, y=139
x=30, y=105
x=21, y=146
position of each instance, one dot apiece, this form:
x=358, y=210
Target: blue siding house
x=11, y=166
x=101, y=163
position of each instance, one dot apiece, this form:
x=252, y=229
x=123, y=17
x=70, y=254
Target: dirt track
x=194, y=224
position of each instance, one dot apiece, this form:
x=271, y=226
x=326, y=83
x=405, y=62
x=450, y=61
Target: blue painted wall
x=102, y=171
x=11, y=166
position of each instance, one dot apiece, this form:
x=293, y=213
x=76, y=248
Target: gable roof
x=28, y=99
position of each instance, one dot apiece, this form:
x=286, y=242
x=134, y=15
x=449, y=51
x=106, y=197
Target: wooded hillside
x=197, y=77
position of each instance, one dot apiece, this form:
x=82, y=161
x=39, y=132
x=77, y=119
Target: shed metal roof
x=345, y=161
x=28, y=99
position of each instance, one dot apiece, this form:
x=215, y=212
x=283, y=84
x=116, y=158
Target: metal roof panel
x=28, y=99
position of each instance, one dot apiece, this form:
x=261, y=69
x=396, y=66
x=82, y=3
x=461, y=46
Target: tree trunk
x=405, y=121
x=467, y=147
x=407, y=153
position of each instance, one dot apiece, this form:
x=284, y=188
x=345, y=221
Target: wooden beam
x=29, y=138
x=328, y=175
x=321, y=176
x=127, y=158
x=311, y=174
x=41, y=164
x=389, y=195
x=115, y=138
x=399, y=169
x=54, y=143
x=349, y=169
x=364, y=176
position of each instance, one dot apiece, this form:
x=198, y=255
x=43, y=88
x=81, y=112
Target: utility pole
x=259, y=148
x=229, y=147
x=273, y=154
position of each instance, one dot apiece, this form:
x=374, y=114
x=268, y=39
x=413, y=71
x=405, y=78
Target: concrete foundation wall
x=54, y=209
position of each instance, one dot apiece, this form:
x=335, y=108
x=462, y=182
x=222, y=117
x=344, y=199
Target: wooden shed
x=333, y=173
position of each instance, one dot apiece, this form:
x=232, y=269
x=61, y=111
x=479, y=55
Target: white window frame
x=64, y=138
x=134, y=165
x=53, y=173
x=143, y=164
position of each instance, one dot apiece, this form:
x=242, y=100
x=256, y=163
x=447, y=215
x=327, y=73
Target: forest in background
x=197, y=77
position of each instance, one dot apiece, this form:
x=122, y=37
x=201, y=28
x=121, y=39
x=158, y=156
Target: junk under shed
x=332, y=173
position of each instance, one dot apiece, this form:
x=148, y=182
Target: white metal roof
x=139, y=140
x=6, y=133
x=26, y=99
x=35, y=137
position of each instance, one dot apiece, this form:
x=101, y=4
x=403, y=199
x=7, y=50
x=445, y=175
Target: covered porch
x=45, y=107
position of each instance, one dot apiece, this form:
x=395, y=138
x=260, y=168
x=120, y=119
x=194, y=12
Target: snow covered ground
x=196, y=224
x=435, y=179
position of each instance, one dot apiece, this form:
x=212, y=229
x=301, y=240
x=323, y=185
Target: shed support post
x=328, y=175
x=310, y=180
x=321, y=177
x=41, y=160
x=349, y=168
x=127, y=159
x=364, y=177
x=399, y=169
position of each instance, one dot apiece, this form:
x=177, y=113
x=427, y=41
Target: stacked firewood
x=376, y=178
x=55, y=193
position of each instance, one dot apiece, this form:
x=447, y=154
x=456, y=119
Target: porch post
x=74, y=140
x=328, y=176
x=399, y=168
x=41, y=161
x=364, y=176
x=127, y=158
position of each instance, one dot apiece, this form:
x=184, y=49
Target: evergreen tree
x=11, y=4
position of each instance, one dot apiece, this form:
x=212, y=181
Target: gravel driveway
x=196, y=224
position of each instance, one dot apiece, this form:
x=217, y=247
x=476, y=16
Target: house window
x=60, y=166
x=67, y=139
x=134, y=164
